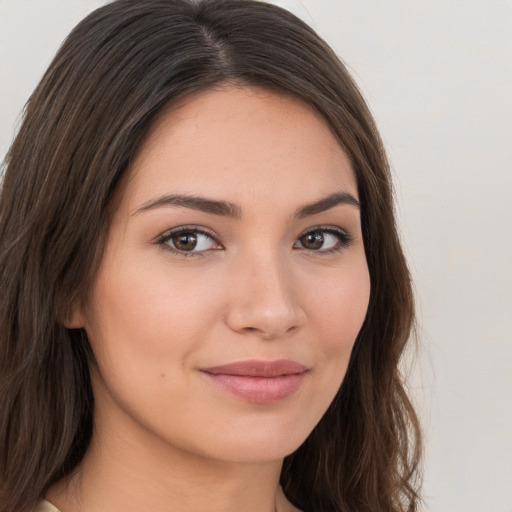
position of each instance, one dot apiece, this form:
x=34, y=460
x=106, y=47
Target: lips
x=259, y=381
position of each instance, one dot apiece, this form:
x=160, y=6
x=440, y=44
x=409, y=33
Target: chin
x=261, y=443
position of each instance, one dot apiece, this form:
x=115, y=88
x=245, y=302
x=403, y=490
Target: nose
x=264, y=302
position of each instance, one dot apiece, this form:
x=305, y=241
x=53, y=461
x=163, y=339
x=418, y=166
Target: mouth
x=259, y=381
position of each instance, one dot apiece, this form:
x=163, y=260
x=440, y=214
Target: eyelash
x=163, y=240
x=344, y=240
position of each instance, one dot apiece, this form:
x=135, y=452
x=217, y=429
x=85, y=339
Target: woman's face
x=234, y=280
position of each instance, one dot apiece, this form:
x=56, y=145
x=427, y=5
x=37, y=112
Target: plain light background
x=438, y=76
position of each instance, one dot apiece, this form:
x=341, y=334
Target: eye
x=188, y=241
x=323, y=240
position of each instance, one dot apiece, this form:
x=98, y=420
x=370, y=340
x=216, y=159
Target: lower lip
x=260, y=390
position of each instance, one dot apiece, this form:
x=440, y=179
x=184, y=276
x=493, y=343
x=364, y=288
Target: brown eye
x=188, y=242
x=324, y=240
x=313, y=240
x=184, y=241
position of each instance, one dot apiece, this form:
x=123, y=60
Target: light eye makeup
x=197, y=241
x=189, y=241
x=323, y=240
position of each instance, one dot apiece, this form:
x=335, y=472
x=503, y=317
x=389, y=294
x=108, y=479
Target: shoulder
x=46, y=506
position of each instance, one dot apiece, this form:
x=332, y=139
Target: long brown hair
x=114, y=73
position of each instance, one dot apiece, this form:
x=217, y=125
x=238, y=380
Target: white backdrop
x=438, y=77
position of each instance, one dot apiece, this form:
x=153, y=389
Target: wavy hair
x=82, y=126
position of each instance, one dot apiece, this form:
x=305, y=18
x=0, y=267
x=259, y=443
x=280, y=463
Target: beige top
x=46, y=506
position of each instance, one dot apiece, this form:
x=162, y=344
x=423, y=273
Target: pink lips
x=259, y=381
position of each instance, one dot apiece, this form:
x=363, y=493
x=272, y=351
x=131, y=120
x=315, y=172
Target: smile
x=259, y=381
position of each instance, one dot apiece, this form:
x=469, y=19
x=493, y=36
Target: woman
x=204, y=297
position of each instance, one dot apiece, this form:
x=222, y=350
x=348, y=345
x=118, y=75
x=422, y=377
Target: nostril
x=270, y=333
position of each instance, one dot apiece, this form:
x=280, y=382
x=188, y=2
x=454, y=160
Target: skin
x=166, y=437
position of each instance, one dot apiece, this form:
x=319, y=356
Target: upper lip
x=258, y=368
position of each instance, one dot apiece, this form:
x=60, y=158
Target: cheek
x=339, y=310
x=143, y=326
x=148, y=312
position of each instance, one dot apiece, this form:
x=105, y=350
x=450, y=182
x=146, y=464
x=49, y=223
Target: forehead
x=235, y=142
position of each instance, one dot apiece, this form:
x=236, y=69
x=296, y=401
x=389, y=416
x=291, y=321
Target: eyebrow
x=227, y=209
x=326, y=204
x=195, y=203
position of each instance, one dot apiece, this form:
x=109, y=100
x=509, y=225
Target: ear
x=73, y=317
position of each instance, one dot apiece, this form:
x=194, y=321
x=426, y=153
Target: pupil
x=313, y=240
x=185, y=242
